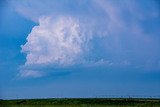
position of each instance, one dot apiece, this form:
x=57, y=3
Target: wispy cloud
x=30, y=73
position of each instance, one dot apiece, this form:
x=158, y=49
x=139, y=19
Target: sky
x=79, y=48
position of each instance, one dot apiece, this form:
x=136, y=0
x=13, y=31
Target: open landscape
x=79, y=53
x=82, y=102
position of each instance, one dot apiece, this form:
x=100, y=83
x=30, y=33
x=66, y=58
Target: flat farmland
x=82, y=102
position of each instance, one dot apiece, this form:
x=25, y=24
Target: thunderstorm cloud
x=90, y=32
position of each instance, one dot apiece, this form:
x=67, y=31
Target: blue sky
x=84, y=48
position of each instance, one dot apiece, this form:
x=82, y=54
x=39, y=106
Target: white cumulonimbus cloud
x=61, y=41
x=93, y=32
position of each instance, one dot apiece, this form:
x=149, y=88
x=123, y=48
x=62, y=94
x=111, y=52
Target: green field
x=82, y=102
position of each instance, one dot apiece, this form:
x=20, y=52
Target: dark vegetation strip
x=79, y=101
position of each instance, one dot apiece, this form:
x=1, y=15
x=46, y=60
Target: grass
x=81, y=102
